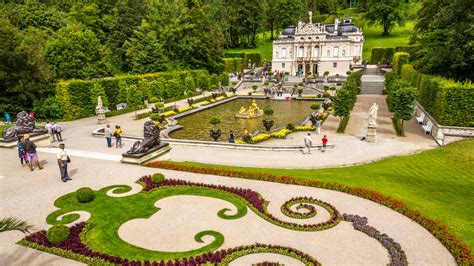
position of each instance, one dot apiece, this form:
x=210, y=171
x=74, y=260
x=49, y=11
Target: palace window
x=329, y=52
x=343, y=52
x=282, y=65
x=336, y=51
x=334, y=65
x=316, y=51
x=283, y=52
x=301, y=51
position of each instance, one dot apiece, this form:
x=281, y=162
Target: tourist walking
x=8, y=119
x=325, y=143
x=308, y=142
x=49, y=127
x=21, y=152
x=231, y=137
x=108, y=135
x=318, y=127
x=63, y=160
x=57, y=131
x=30, y=149
x=118, y=136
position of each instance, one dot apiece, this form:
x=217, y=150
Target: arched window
x=316, y=51
x=301, y=51
x=283, y=52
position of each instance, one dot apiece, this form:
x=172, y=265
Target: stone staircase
x=372, y=81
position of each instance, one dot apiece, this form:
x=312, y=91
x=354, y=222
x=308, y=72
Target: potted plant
x=326, y=73
x=254, y=88
x=215, y=132
x=268, y=124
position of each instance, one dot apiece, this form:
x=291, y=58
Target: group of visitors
x=117, y=134
x=27, y=152
x=54, y=131
x=308, y=143
x=8, y=118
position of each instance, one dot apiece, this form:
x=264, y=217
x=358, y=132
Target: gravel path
x=30, y=196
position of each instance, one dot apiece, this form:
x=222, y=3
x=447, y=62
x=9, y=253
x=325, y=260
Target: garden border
x=458, y=249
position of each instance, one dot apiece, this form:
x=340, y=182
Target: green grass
x=439, y=183
x=109, y=213
x=399, y=36
x=265, y=49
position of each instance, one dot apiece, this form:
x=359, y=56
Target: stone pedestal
x=41, y=140
x=371, y=133
x=159, y=153
x=101, y=117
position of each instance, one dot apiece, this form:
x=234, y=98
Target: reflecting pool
x=196, y=126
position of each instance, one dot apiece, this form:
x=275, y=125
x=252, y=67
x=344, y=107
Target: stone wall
x=444, y=134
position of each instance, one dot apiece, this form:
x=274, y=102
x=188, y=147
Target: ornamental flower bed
x=458, y=249
x=256, y=202
x=74, y=248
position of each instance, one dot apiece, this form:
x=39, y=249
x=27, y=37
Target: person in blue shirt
x=8, y=119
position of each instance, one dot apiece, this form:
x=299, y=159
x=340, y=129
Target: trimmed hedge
x=232, y=65
x=256, y=58
x=57, y=233
x=84, y=195
x=399, y=59
x=381, y=55
x=157, y=178
x=78, y=97
x=451, y=103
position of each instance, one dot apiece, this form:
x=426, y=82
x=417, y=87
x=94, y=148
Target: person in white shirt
x=63, y=160
x=57, y=131
x=49, y=127
x=108, y=135
x=308, y=142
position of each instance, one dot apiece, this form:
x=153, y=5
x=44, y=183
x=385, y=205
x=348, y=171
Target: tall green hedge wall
x=399, y=59
x=78, y=97
x=381, y=55
x=254, y=57
x=232, y=65
x=451, y=103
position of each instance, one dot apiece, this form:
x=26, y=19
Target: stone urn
x=268, y=124
x=215, y=134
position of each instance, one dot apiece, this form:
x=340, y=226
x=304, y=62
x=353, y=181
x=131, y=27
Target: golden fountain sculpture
x=252, y=112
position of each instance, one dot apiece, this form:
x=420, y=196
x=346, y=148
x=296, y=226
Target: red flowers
x=458, y=249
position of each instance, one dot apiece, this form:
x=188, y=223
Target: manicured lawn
x=399, y=36
x=439, y=183
x=265, y=49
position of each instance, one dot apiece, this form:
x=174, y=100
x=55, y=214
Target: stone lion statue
x=24, y=125
x=151, y=134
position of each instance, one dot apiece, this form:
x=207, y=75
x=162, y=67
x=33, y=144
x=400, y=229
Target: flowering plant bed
x=457, y=248
x=97, y=242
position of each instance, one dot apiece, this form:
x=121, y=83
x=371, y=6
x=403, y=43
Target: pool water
x=196, y=126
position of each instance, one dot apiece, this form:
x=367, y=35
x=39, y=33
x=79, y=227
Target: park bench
x=420, y=119
x=428, y=127
x=121, y=106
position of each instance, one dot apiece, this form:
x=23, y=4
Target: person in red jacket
x=325, y=143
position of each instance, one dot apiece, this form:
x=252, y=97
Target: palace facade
x=315, y=48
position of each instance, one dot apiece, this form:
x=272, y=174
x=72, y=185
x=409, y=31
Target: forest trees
x=445, y=34
x=385, y=13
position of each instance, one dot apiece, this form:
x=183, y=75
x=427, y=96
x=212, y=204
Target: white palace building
x=316, y=48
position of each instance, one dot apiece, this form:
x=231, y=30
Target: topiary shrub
x=57, y=233
x=333, y=88
x=315, y=106
x=84, y=195
x=159, y=105
x=157, y=178
x=326, y=95
x=154, y=100
x=290, y=127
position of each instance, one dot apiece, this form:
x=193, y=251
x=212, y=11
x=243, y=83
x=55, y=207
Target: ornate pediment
x=308, y=28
